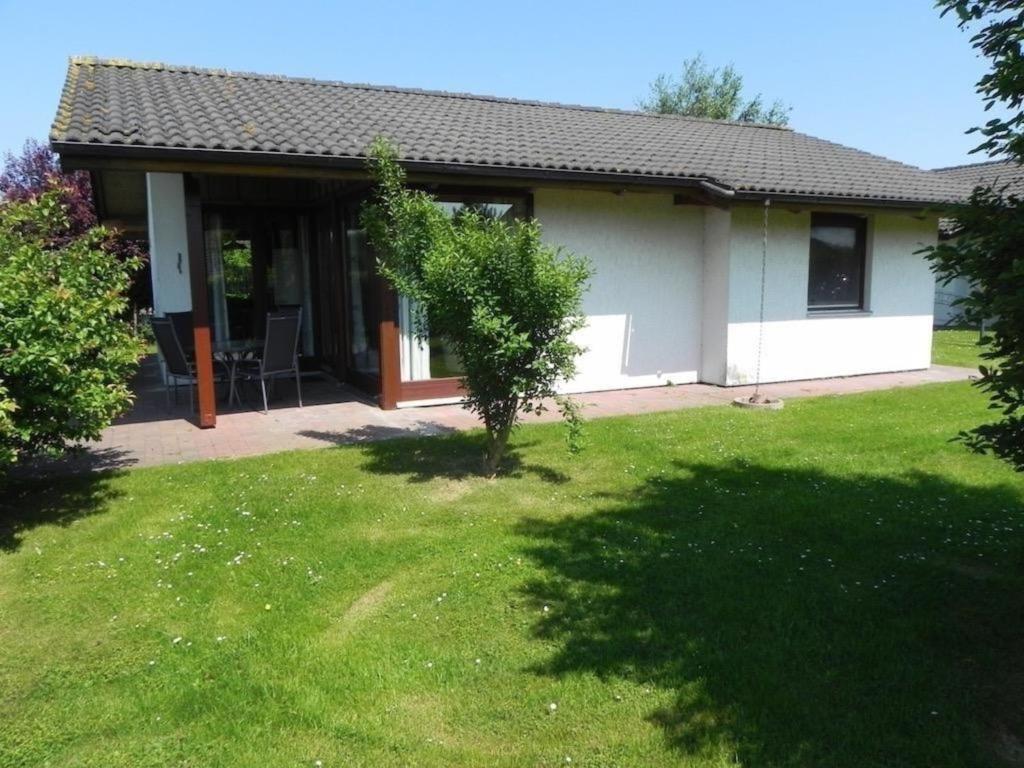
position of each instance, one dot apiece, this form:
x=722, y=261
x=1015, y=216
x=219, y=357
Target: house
x=1004, y=175
x=250, y=188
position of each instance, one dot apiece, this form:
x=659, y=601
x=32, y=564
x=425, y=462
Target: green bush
x=990, y=228
x=66, y=348
x=506, y=303
x=987, y=252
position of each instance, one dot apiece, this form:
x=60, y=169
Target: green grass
x=835, y=584
x=954, y=346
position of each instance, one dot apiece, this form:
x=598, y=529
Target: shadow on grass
x=80, y=459
x=370, y=433
x=442, y=453
x=27, y=503
x=799, y=618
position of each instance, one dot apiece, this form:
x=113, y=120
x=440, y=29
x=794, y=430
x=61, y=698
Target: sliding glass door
x=363, y=301
x=423, y=359
x=258, y=261
x=432, y=358
x=232, y=277
x=288, y=270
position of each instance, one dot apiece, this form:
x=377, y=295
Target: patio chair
x=176, y=362
x=287, y=309
x=182, y=322
x=280, y=353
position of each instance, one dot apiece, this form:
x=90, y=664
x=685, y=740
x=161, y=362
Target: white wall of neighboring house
x=168, y=243
x=945, y=295
x=644, y=304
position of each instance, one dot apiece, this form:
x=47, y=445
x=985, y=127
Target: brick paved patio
x=154, y=434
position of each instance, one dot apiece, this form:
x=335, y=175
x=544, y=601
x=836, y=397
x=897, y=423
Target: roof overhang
x=98, y=156
x=75, y=155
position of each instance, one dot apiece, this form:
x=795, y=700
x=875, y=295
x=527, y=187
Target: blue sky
x=886, y=76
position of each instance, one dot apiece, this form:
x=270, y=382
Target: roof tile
x=149, y=105
x=1005, y=175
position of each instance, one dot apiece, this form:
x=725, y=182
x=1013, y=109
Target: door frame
x=256, y=217
x=389, y=386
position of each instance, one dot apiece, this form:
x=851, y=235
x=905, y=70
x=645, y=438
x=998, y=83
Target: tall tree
x=987, y=248
x=716, y=93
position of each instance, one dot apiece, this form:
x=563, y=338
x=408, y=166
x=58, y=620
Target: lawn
x=835, y=584
x=955, y=346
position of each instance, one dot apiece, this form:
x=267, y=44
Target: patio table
x=230, y=352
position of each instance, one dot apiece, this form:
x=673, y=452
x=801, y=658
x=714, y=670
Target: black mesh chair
x=280, y=353
x=182, y=322
x=176, y=361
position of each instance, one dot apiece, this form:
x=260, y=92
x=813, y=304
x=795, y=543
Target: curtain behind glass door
x=288, y=282
x=229, y=269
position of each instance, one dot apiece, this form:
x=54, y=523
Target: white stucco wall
x=893, y=334
x=676, y=293
x=168, y=243
x=715, y=296
x=644, y=304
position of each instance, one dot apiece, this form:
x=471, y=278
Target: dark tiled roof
x=156, y=108
x=1006, y=176
x=999, y=174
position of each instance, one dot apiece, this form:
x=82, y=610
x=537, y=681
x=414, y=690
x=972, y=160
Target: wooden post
x=390, y=362
x=200, y=304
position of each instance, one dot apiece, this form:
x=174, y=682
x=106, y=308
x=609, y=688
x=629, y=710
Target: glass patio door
x=231, y=273
x=288, y=271
x=258, y=261
x=363, y=304
x=432, y=359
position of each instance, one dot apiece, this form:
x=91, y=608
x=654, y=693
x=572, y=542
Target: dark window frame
x=860, y=225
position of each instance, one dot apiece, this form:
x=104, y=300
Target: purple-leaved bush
x=36, y=171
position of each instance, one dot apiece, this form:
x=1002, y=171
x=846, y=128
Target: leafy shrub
x=987, y=249
x=506, y=303
x=37, y=171
x=66, y=350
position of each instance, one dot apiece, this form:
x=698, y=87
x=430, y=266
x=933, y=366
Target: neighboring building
x=255, y=182
x=1006, y=176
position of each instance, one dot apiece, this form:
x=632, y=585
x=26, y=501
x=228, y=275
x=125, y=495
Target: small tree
x=712, y=93
x=507, y=303
x=66, y=349
x=987, y=249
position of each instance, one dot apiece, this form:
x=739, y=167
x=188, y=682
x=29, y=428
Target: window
x=490, y=207
x=838, y=256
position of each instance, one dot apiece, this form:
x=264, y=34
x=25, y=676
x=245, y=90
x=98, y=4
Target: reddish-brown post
x=200, y=304
x=390, y=364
